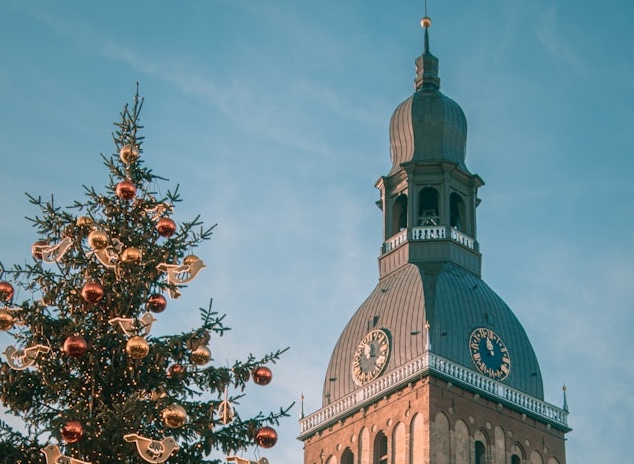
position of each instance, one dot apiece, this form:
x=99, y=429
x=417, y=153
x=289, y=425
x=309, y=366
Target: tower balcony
x=432, y=364
x=429, y=233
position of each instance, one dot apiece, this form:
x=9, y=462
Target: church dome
x=428, y=126
x=454, y=302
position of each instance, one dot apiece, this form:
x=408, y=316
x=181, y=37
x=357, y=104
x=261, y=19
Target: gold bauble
x=6, y=320
x=83, y=221
x=174, y=416
x=98, y=240
x=200, y=355
x=128, y=154
x=137, y=347
x=190, y=259
x=131, y=255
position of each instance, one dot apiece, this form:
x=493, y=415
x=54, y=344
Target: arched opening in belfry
x=347, y=457
x=515, y=459
x=456, y=212
x=380, y=449
x=428, y=207
x=480, y=451
x=399, y=214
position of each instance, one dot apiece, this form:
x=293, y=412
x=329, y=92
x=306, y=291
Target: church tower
x=434, y=367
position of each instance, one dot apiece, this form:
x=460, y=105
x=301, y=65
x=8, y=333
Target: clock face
x=370, y=357
x=489, y=353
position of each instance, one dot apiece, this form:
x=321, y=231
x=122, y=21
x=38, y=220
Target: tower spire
x=426, y=64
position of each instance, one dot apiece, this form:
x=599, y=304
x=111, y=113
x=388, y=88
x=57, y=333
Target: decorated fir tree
x=85, y=374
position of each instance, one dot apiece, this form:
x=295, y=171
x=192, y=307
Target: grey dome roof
x=455, y=302
x=428, y=126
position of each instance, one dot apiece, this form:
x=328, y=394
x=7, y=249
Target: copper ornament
x=84, y=221
x=262, y=375
x=92, y=292
x=72, y=431
x=266, y=437
x=126, y=190
x=156, y=303
x=6, y=291
x=75, y=346
x=166, y=227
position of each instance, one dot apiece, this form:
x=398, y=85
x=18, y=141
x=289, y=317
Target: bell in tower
x=433, y=367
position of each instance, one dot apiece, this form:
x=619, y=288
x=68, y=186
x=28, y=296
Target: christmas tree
x=84, y=374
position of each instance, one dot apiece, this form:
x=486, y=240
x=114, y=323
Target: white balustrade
x=430, y=362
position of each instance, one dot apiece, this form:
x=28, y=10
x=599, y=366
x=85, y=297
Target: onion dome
x=428, y=126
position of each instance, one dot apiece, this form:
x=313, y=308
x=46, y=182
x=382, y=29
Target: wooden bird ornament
x=153, y=450
x=131, y=327
x=54, y=456
x=21, y=359
x=52, y=253
x=239, y=460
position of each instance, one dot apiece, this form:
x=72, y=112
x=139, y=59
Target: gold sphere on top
x=425, y=22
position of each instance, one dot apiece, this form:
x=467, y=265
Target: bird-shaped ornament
x=54, y=456
x=239, y=460
x=131, y=327
x=21, y=359
x=109, y=255
x=52, y=253
x=159, y=211
x=153, y=450
x=182, y=273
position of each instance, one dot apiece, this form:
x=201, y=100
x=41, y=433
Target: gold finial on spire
x=426, y=21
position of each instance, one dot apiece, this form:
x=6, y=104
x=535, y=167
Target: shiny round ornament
x=128, y=154
x=176, y=371
x=156, y=303
x=166, y=227
x=190, y=259
x=137, y=347
x=126, y=190
x=266, y=437
x=75, y=346
x=98, y=240
x=84, y=221
x=72, y=431
x=200, y=356
x=174, y=416
x=92, y=292
x=36, y=249
x=131, y=255
x=6, y=291
x=6, y=320
x=262, y=375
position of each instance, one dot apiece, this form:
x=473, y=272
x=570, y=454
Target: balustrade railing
x=430, y=362
x=423, y=233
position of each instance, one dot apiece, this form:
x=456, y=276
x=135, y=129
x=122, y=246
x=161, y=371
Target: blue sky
x=273, y=118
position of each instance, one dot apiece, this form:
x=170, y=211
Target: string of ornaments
x=111, y=253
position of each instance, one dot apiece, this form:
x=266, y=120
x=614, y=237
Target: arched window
x=480, y=451
x=456, y=212
x=347, y=457
x=380, y=449
x=428, y=207
x=399, y=214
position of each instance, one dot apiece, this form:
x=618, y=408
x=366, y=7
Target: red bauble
x=6, y=291
x=92, y=292
x=156, y=303
x=266, y=437
x=262, y=375
x=36, y=249
x=176, y=371
x=126, y=190
x=166, y=227
x=75, y=346
x=72, y=431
